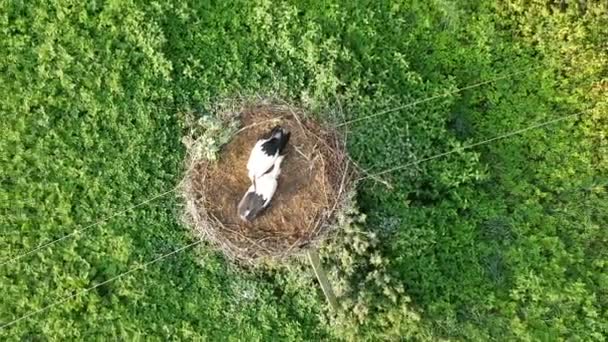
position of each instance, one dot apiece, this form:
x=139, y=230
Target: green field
x=504, y=241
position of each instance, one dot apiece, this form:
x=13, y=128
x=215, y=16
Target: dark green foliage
x=504, y=241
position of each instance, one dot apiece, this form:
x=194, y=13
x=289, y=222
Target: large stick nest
x=314, y=185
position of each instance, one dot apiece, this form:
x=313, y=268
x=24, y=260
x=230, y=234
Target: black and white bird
x=266, y=152
x=260, y=193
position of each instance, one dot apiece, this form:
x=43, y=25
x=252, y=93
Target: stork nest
x=314, y=185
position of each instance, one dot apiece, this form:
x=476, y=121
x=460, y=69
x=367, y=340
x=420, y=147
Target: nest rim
x=239, y=245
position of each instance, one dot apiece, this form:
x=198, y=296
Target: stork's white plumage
x=258, y=196
x=265, y=153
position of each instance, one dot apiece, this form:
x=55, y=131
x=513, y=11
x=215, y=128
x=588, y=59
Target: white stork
x=260, y=193
x=266, y=152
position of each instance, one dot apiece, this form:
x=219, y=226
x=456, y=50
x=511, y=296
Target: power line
x=48, y=244
x=66, y=298
x=105, y=219
x=134, y=269
x=428, y=99
x=516, y=132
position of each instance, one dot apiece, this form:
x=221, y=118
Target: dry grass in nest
x=315, y=179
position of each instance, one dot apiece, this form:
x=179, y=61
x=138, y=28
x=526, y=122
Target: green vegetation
x=504, y=241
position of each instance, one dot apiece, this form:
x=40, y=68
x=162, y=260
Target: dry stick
x=212, y=235
x=306, y=131
x=301, y=153
x=369, y=175
x=325, y=181
x=297, y=118
x=291, y=247
x=88, y=289
x=105, y=219
x=313, y=256
x=372, y=177
x=239, y=234
x=510, y=134
x=300, y=238
x=258, y=123
x=343, y=119
x=357, y=166
x=318, y=225
x=341, y=186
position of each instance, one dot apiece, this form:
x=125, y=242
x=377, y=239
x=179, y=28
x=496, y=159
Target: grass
x=506, y=240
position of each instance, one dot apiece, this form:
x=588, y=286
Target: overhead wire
x=94, y=224
x=105, y=282
x=438, y=96
x=479, y=143
x=411, y=104
x=397, y=168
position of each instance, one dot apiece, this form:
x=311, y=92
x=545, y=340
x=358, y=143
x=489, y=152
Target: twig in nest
x=277, y=119
x=300, y=220
x=293, y=112
x=324, y=181
x=301, y=153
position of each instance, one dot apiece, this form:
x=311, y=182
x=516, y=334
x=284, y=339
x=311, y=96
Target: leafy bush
x=503, y=241
x=373, y=303
x=206, y=134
